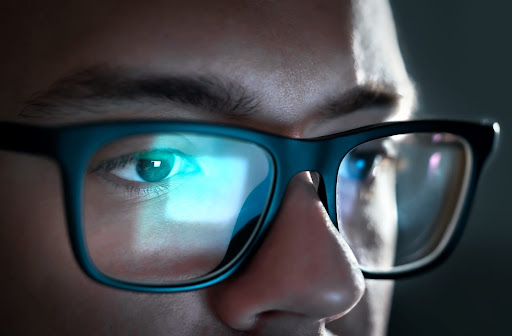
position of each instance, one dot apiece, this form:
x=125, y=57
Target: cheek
x=33, y=226
x=139, y=242
x=33, y=242
x=48, y=293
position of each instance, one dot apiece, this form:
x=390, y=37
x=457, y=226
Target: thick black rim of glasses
x=73, y=146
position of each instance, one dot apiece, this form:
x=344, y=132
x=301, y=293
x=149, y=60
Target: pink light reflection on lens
x=433, y=162
x=437, y=137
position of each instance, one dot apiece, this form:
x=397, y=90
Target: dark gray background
x=459, y=55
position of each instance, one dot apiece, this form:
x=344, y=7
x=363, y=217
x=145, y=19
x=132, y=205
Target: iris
x=151, y=170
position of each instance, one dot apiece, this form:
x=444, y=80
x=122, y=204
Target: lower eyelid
x=131, y=189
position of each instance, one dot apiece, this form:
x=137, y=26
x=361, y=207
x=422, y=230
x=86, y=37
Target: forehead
x=294, y=54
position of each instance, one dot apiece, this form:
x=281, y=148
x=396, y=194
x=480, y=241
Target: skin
x=294, y=56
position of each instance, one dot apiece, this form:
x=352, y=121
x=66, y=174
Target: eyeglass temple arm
x=27, y=139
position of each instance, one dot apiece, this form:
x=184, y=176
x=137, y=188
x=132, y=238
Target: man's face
x=295, y=59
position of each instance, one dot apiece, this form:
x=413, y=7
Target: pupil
x=153, y=170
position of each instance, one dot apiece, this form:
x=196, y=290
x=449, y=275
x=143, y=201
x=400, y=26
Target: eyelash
x=132, y=188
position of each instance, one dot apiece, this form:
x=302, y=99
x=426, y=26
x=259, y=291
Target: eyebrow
x=89, y=89
x=370, y=95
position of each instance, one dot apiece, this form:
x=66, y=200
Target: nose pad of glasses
x=319, y=184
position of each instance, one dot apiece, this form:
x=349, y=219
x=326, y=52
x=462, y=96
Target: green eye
x=152, y=167
x=151, y=170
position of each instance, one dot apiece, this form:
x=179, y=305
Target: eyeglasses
x=173, y=206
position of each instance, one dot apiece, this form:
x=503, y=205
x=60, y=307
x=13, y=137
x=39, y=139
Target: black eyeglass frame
x=72, y=146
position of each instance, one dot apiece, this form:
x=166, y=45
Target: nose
x=303, y=269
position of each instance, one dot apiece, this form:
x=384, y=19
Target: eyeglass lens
x=397, y=197
x=164, y=208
